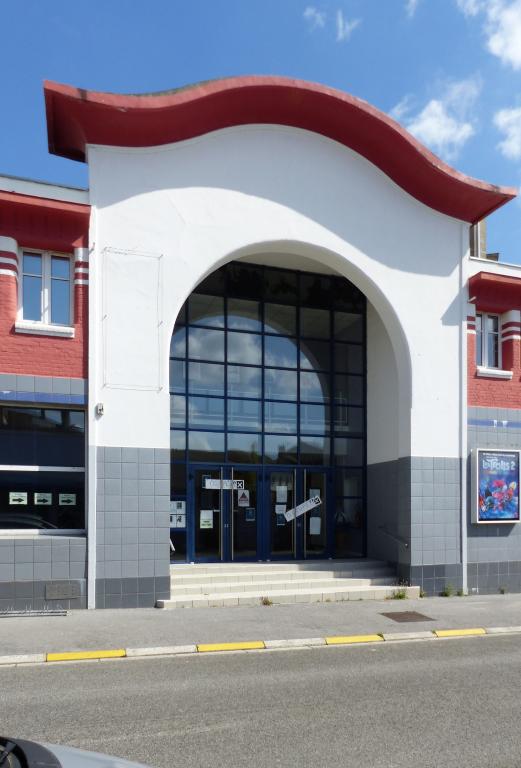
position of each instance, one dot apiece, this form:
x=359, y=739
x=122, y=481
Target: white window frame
x=485, y=363
x=44, y=325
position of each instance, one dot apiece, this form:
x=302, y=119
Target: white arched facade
x=165, y=217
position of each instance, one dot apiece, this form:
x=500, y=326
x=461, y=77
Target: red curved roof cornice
x=76, y=117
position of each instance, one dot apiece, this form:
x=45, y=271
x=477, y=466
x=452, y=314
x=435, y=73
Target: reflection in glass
x=206, y=379
x=206, y=446
x=206, y=310
x=348, y=326
x=178, y=343
x=177, y=411
x=244, y=280
x=206, y=412
x=315, y=323
x=280, y=352
x=314, y=449
x=244, y=449
x=349, y=358
x=280, y=286
x=314, y=419
x=244, y=381
x=280, y=449
x=245, y=348
x=244, y=315
x=280, y=417
x=349, y=452
x=314, y=387
x=280, y=385
x=349, y=389
x=245, y=415
x=60, y=301
x=315, y=290
x=348, y=419
x=280, y=318
x=349, y=512
x=314, y=355
x=204, y=344
x=348, y=482
x=177, y=375
x=177, y=444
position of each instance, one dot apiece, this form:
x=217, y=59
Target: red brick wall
x=42, y=355
x=495, y=393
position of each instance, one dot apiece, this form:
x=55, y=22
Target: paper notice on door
x=243, y=498
x=315, y=524
x=282, y=494
x=280, y=509
x=206, y=518
x=313, y=492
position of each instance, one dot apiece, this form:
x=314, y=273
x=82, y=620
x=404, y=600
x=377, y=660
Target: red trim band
x=77, y=117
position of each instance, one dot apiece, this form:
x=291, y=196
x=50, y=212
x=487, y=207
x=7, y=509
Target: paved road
x=436, y=703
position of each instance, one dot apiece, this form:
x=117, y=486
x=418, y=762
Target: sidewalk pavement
x=150, y=627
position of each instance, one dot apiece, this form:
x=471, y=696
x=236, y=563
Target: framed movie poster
x=495, y=480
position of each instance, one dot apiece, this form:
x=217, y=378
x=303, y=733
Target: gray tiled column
x=133, y=527
x=414, y=509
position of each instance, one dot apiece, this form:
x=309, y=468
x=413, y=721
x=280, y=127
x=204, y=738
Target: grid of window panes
x=268, y=367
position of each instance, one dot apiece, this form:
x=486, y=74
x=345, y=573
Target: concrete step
x=281, y=565
x=268, y=597
x=268, y=574
x=273, y=584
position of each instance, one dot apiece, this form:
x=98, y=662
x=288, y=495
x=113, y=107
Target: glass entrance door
x=207, y=514
x=280, y=498
x=315, y=520
x=225, y=514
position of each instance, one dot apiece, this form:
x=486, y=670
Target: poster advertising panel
x=496, y=486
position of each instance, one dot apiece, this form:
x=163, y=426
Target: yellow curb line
x=117, y=653
x=459, y=632
x=249, y=645
x=349, y=639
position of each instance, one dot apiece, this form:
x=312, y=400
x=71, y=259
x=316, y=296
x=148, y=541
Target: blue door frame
x=230, y=513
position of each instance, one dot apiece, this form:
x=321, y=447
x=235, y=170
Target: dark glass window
x=315, y=355
x=243, y=315
x=42, y=500
x=205, y=344
x=244, y=381
x=280, y=449
x=280, y=385
x=206, y=379
x=206, y=310
x=280, y=352
x=245, y=415
x=315, y=323
x=42, y=436
x=205, y=413
x=244, y=449
x=206, y=446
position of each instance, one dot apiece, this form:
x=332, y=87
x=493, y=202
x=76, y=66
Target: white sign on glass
x=42, y=499
x=67, y=499
x=226, y=485
x=206, y=518
x=18, y=497
x=243, y=498
x=291, y=514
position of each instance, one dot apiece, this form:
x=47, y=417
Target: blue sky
x=449, y=70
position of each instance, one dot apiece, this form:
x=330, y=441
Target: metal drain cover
x=403, y=616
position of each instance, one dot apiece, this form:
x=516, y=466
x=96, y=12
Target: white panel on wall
x=132, y=320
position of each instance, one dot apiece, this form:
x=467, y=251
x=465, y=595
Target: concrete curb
x=253, y=645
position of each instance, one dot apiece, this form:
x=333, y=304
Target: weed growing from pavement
x=266, y=601
x=447, y=591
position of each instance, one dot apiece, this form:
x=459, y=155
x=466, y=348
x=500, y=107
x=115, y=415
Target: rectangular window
x=487, y=341
x=45, y=291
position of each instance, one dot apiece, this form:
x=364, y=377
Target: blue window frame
x=267, y=366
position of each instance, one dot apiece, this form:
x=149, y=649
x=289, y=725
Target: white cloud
x=508, y=122
x=502, y=27
x=470, y=7
x=504, y=32
x=344, y=27
x=410, y=7
x=444, y=124
x=315, y=17
x=402, y=108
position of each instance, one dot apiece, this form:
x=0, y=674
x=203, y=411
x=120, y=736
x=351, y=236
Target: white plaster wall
x=382, y=392
x=257, y=189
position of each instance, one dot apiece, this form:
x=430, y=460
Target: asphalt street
x=435, y=703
